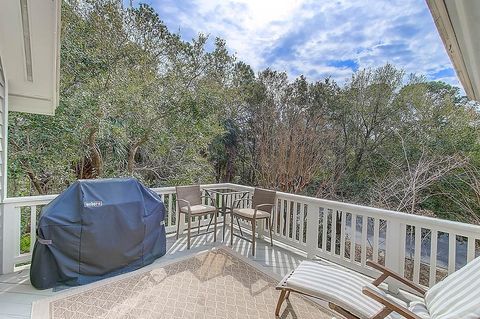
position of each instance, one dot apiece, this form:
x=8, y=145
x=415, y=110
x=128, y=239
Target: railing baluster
x=401, y=256
x=452, y=243
x=295, y=214
x=324, y=230
x=170, y=208
x=376, y=231
x=279, y=212
x=363, y=258
x=417, y=256
x=17, y=229
x=342, y=230
x=33, y=226
x=471, y=249
x=333, y=232
x=287, y=216
x=433, y=257
x=354, y=238
x=303, y=212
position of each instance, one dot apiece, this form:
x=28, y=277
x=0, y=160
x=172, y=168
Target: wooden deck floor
x=17, y=295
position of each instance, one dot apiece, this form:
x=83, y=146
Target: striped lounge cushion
x=339, y=286
x=458, y=295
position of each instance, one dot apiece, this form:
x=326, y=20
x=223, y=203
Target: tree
x=137, y=100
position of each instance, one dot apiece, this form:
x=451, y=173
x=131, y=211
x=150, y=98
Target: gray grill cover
x=97, y=229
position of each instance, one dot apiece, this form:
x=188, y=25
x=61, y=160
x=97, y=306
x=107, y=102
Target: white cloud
x=317, y=38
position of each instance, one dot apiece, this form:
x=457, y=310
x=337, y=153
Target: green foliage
x=136, y=100
x=25, y=243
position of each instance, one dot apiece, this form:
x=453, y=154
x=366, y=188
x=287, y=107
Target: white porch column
x=6, y=258
x=3, y=133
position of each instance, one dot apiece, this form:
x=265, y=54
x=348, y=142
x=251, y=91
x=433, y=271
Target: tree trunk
x=131, y=158
x=132, y=152
x=97, y=161
x=36, y=183
x=230, y=166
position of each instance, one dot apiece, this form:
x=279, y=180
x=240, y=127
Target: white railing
x=422, y=248
x=20, y=215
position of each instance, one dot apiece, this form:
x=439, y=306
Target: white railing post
x=10, y=237
x=392, y=250
x=312, y=230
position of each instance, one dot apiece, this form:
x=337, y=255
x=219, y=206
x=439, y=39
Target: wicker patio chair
x=355, y=297
x=263, y=202
x=190, y=203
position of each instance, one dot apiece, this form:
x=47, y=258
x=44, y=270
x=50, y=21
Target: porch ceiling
x=30, y=51
x=458, y=23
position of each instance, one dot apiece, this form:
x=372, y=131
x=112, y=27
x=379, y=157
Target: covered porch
x=423, y=249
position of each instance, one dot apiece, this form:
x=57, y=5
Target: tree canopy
x=137, y=100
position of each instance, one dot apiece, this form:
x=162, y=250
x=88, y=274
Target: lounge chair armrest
x=388, y=273
x=389, y=305
x=214, y=204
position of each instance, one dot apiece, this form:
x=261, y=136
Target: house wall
x=3, y=132
x=3, y=177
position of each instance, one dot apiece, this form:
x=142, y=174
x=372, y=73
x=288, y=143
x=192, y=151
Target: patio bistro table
x=226, y=208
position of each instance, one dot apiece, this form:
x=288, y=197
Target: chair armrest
x=264, y=205
x=186, y=202
x=388, y=273
x=389, y=305
x=261, y=206
x=214, y=204
x=237, y=201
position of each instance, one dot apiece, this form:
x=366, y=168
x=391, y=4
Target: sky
x=317, y=38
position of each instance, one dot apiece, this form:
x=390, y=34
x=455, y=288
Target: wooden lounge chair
x=355, y=297
x=190, y=203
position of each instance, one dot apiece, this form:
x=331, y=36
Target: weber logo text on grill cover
x=97, y=203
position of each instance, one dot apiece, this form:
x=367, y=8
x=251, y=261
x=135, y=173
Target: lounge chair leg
x=188, y=231
x=341, y=311
x=269, y=221
x=280, y=302
x=215, y=226
x=253, y=236
x=287, y=295
x=198, y=229
x=178, y=224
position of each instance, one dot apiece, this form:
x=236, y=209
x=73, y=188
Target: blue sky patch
x=317, y=38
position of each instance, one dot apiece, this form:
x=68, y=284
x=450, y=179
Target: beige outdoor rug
x=213, y=284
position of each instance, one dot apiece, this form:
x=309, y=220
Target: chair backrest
x=456, y=296
x=263, y=196
x=191, y=193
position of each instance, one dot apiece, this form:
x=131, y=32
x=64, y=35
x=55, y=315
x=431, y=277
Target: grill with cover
x=97, y=229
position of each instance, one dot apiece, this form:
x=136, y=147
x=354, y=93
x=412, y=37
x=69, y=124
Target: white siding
x=3, y=132
x=3, y=105
x=3, y=96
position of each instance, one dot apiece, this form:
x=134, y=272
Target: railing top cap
x=409, y=219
